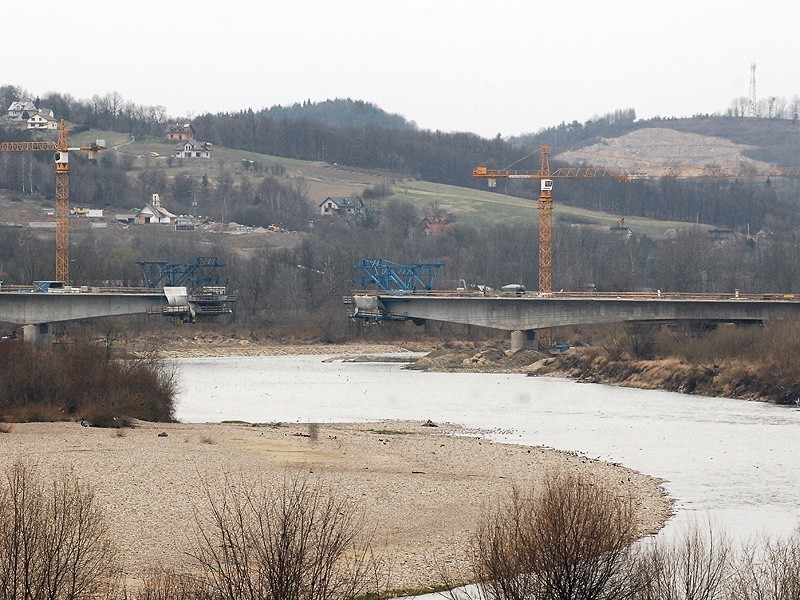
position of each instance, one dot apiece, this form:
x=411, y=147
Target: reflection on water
x=731, y=460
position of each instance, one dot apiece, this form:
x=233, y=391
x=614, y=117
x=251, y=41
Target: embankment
x=731, y=378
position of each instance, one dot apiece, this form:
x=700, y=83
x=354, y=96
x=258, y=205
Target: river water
x=734, y=462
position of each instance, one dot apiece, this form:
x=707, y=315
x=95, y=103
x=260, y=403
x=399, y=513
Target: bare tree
x=571, y=541
x=54, y=541
x=300, y=542
x=163, y=584
x=695, y=567
x=768, y=571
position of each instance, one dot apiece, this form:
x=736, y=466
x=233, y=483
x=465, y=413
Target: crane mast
x=62, y=206
x=545, y=225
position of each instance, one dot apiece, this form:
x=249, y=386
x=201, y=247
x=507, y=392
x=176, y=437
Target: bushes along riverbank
x=81, y=382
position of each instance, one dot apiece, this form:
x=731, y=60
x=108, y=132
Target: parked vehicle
x=513, y=289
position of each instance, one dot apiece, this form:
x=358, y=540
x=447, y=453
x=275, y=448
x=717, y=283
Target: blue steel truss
x=390, y=276
x=203, y=272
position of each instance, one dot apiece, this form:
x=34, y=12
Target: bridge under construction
x=38, y=307
x=525, y=313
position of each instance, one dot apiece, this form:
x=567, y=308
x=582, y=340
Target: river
x=734, y=462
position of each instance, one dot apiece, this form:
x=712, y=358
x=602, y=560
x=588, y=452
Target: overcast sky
x=453, y=65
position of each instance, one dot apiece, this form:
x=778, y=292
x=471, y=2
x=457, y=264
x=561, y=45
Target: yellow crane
x=62, y=149
x=649, y=169
x=545, y=202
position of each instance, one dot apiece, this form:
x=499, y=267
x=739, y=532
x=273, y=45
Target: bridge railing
x=84, y=289
x=564, y=295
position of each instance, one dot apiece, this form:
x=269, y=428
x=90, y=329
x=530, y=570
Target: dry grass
x=740, y=362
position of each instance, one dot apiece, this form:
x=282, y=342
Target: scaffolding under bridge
x=206, y=296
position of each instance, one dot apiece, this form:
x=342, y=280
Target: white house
x=341, y=206
x=193, y=149
x=43, y=119
x=19, y=108
x=154, y=213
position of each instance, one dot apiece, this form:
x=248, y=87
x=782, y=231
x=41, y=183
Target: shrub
x=168, y=585
x=379, y=190
x=81, y=381
x=298, y=541
x=769, y=571
x=696, y=566
x=572, y=540
x=53, y=539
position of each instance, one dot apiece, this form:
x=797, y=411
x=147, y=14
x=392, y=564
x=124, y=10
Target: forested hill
x=773, y=140
x=339, y=113
x=361, y=135
x=358, y=134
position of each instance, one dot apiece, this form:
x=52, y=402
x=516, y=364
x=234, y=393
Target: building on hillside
x=154, y=213
x=721, y=235
x=20, y=108
x=341, y=206
x=176, y=131
x=193, y=149
x=436, y=225
x=42, y=119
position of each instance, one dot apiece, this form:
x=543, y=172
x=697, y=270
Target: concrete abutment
x=41, y=333
x=524, y=339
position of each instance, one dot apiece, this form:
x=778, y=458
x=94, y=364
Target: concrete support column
x=524, y=339
x=38, y=334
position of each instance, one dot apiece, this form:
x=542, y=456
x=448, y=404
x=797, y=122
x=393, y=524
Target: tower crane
x=652, y=169
x=545, y=202
x=62, y=149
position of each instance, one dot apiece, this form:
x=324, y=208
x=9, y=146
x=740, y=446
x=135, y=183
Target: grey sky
x=448, y=65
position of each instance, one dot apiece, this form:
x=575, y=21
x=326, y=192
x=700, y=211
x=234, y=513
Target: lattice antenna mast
x=751, y=102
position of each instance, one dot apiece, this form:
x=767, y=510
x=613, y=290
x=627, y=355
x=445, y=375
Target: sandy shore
x=220, y=345
x=423, y=488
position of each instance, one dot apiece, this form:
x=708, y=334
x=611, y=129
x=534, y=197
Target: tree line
x=297, y=290
x=109, y=112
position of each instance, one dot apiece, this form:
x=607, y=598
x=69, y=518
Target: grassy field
x=87, y=138
x=469, y=206
x=474, y=207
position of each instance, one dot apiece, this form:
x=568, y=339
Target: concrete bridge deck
x=531, y=311
x=36, y=308
x=37, y=311
x=32, y=308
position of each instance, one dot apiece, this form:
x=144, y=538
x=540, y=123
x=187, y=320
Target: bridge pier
x=524, y=339
x=38, y=334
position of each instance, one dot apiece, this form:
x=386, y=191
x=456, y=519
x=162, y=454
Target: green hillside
x=468, y=206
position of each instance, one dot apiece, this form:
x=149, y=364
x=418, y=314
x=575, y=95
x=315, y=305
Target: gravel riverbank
x=424, y=488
